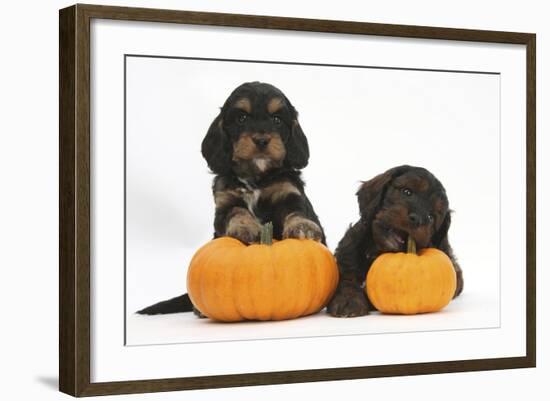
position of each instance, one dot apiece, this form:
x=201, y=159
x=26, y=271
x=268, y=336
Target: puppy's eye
x=242, y=118
x=406, y=192
x=277, y=120
x=430, y=217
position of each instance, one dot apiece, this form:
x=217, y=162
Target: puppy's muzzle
x=261, y=141
x=417, y=220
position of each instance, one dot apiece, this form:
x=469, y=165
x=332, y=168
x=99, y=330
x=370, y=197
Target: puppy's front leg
x=290, y=211
x=350, y=300
x=297, y=226
x=241, y=224
x=233, y=218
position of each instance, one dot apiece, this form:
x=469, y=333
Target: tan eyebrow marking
x=244, y=104
x=275, y=105
x=422, y=184
x=415, y=183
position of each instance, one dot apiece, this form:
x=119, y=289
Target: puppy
x=256, y=149
x=404, y=201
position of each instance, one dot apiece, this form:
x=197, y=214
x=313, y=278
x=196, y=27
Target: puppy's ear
x=216, y=147
x=371, y=193
x=439, y=238
x=297, y=148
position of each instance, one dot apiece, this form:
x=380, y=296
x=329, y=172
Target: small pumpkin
x=411, y=283
x=230, y=281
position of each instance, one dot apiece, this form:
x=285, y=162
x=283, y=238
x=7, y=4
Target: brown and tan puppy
x=404, y=201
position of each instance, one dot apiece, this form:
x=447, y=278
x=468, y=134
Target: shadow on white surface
x=465, y=312
x=50, y=382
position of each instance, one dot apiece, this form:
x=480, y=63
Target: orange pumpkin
x=230, y=281
x=410, y=283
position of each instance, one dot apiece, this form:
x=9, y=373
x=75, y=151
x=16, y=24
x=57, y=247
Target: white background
x=112, y=361
x=29, y=206
x=359, y=122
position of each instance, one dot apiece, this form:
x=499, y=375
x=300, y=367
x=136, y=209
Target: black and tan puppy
x=256, y=148
x=403, y=201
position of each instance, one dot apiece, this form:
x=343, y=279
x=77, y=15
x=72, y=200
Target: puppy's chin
x=392, y=239
x=255, y=167
x=262, y=164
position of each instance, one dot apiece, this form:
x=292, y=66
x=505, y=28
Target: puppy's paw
x=244, y=229
x=296, y=226
x=348, y=302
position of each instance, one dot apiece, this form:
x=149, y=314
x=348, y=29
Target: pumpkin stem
x=266, y=236
x=411, y=245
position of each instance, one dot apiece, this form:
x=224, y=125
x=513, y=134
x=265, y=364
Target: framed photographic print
x=187, y=138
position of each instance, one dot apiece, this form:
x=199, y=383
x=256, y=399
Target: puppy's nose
x=261, y=142
x=414, y=219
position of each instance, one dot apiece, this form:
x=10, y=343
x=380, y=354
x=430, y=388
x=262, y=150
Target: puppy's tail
x=174, y=305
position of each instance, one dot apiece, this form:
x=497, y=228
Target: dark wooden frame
x=74, y=199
